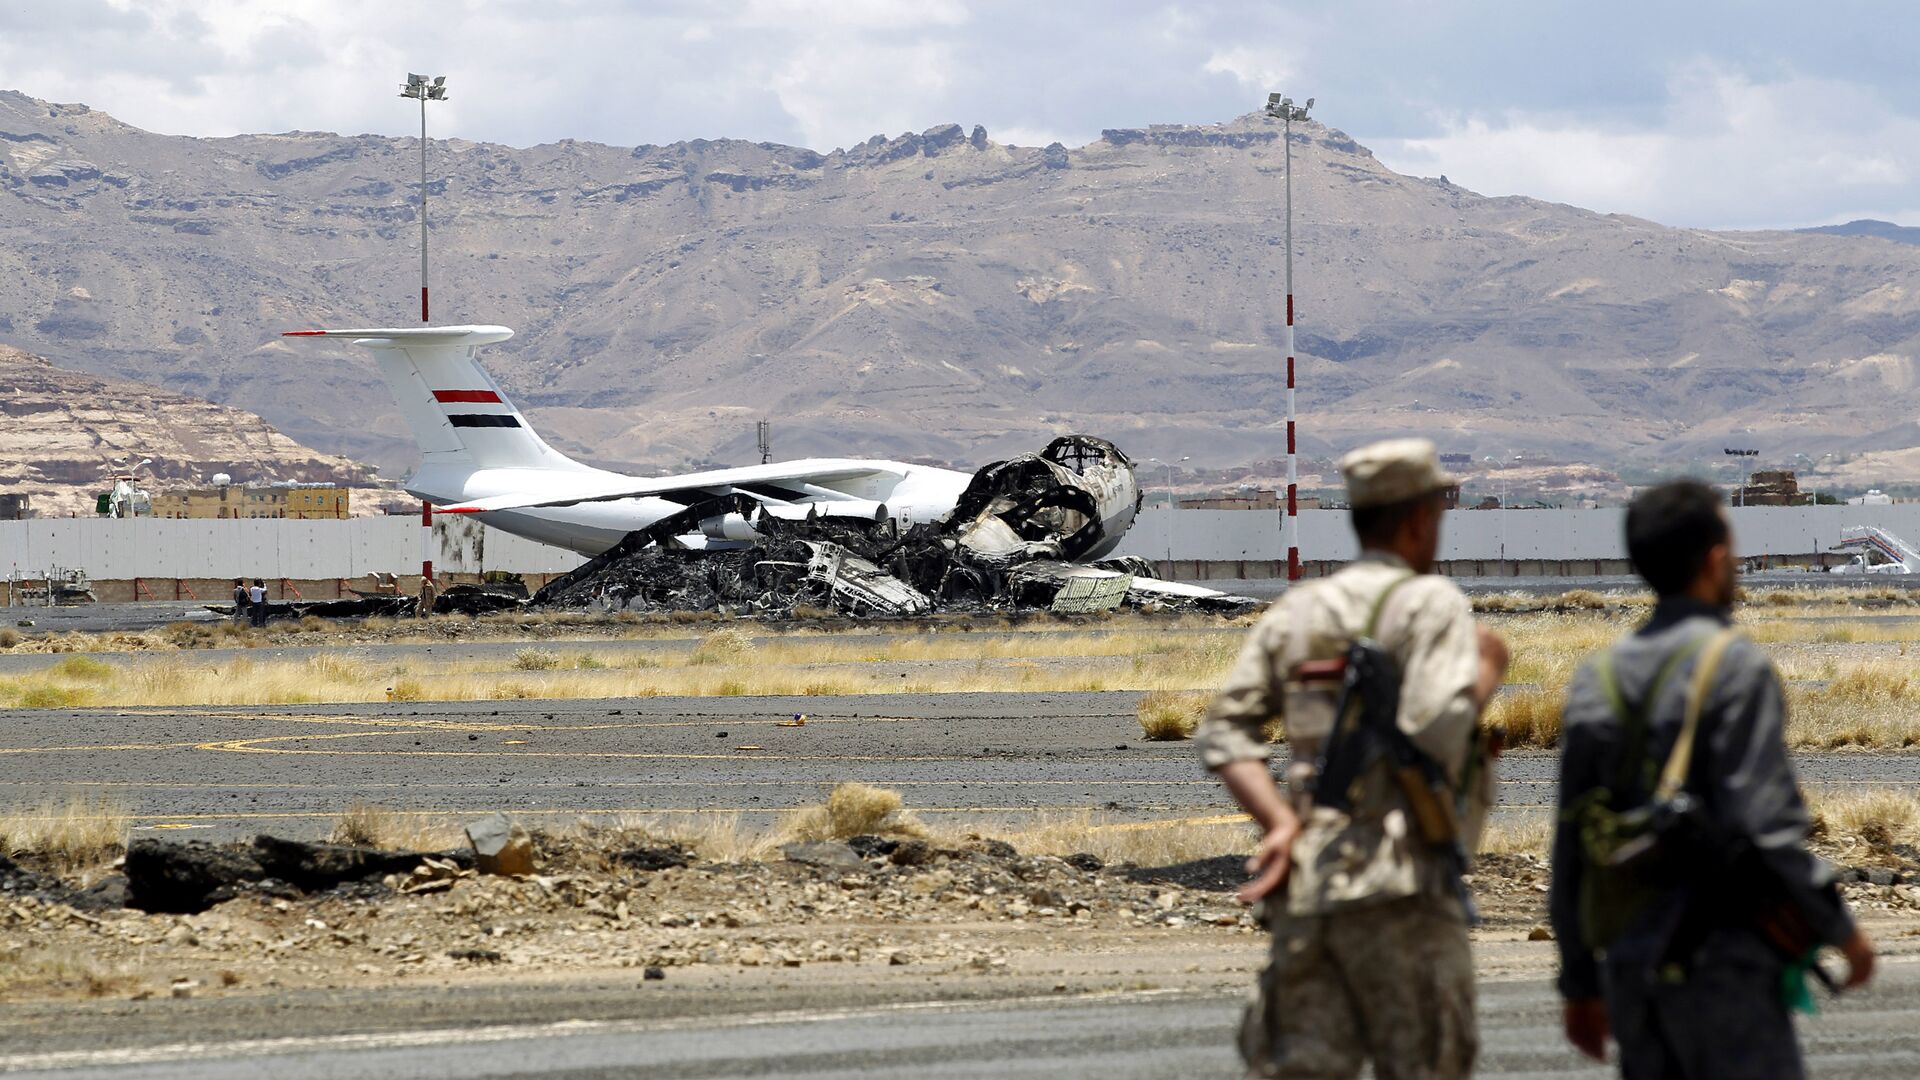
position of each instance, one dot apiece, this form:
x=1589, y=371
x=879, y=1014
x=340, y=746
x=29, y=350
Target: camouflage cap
x=1394, y=471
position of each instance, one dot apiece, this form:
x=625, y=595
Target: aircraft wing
x=782, y=482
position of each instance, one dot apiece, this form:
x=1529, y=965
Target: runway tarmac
x=226, y=772
x=1116, y=1035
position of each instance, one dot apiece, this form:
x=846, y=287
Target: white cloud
x=1259, y=71
x=824, y=86
x=1778, y=120
x=1728, y=151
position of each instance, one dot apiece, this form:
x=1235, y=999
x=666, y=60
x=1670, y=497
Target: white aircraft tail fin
x=457, y=412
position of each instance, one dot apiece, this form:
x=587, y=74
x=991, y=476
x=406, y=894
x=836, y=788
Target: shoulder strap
x=1680, y=761
x=1634, y=721
x=1380, y=603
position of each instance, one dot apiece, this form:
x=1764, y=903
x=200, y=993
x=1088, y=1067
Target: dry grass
x=27, y=972
x=1531, y=717
x=1143, y=843
x=1870, y=684
x=1518, y=834
x=728, y=646
x=724, y=663
x=405, y=690
x=849, y=810
x=1878, y=817
x=30, y=695
x=535, y=659
x=1862, y=705
x=347, y=666
x=853, y=809
x=77, y=832
x=1168, y=715
x=719, y=838
x=1572, y=600
x=367, y=825
x=84, y=669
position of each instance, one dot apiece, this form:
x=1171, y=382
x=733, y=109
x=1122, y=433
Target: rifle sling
x=1633, y=721
x=1680, y=761
x=1345, y=707
x=1380, y=604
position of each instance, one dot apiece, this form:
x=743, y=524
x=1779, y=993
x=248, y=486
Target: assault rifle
x=1366, y=728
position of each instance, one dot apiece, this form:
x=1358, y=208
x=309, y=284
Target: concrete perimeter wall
x=1203, y=543
x=109, y=549
x=1481, y=535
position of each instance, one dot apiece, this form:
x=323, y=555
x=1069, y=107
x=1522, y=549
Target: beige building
x=299, y=501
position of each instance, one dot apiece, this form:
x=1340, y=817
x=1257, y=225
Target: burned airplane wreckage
x=1031, y=532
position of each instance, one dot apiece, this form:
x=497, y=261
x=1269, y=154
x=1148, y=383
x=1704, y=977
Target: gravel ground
x=889, y=961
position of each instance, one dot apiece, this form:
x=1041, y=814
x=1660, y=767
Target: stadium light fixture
x=424, y=90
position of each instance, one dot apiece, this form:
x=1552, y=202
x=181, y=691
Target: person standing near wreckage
x=1369, y=915
x=1688, y=911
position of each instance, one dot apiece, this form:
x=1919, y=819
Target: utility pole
x=764, y=430
x=418, y=86
x=1283, y=109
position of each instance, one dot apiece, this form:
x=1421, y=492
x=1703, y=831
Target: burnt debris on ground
x=1012, y=542
x=507, y=593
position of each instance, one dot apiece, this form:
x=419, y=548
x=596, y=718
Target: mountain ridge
x=940, y=296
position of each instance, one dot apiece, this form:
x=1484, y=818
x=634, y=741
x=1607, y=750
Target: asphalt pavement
x=226, y=772
x=1100, y=1036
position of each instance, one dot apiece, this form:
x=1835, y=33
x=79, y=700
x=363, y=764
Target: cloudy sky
x=1707, y=113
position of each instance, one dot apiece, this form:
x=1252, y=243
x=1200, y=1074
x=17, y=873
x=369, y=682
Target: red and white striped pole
x=1289, y=112
x=426, y=543
x=1292, y=531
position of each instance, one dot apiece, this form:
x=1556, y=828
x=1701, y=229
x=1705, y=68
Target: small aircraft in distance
x=1073, y=501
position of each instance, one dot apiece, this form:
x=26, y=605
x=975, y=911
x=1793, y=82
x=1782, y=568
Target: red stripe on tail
x=483, y=396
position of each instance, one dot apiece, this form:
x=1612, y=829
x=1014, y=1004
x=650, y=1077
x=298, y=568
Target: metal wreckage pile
x=1012, y=542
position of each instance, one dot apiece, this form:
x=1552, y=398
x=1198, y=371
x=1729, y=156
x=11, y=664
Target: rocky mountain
x=63, y=431
x=1885, y=230
x=944, y=296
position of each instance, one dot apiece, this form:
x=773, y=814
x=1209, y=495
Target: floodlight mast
x=435, y=89
x=1283, y=109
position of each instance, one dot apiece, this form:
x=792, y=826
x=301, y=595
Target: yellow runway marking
x=256, y=746
x=88, y=749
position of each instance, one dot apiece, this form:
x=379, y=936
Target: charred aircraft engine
x=1072, y=501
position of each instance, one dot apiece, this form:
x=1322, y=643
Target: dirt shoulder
x=616, y=915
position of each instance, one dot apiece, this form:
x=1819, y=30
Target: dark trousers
x=1724, y=1020
x=259, y=613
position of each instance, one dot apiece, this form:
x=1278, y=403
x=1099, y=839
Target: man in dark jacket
x=240, y=601
x=1697, y=948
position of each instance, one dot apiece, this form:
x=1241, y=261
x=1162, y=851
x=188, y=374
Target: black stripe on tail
x=481, y=420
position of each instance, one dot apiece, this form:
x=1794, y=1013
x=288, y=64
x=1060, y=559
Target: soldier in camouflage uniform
x=1689, y=977
x=1370, y=959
